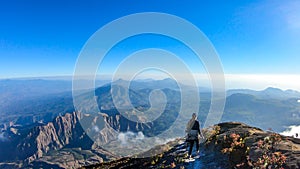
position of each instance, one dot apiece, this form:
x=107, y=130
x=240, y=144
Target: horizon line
x=233, y=81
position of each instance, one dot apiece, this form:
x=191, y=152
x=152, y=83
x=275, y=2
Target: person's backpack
x=192, y=135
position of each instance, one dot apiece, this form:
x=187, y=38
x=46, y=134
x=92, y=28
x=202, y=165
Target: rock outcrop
x=228, y=145
x=237, y=145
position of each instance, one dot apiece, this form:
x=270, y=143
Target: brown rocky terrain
x=61, y=143
x=228, y=145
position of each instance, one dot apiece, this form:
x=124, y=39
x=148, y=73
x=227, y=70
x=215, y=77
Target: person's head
x=194, y=116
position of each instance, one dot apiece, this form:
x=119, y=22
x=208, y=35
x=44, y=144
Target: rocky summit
x=227, y=145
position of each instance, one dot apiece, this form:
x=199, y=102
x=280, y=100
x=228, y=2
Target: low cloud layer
x=292, y=131
x=129, y=136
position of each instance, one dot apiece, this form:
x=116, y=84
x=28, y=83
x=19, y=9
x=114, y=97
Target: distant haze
x=240, y=81
x=233, y=81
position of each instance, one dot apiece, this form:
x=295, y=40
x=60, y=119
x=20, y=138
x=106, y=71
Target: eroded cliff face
x=88, y=132
x=62, y=131
x=122, y=124
x=55, y=139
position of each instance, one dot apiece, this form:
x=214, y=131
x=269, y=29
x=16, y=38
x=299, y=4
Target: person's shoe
x=190, y=159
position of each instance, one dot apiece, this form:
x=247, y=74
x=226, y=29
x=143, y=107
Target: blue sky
x=44, y=38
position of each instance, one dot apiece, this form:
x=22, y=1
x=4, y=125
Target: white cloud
x=291, y=131
x=262, y=81
x=96, y=128
x=140, y=136
x=255, y=81
x=129, y=136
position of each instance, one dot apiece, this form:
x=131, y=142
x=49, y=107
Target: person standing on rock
x=193, y=132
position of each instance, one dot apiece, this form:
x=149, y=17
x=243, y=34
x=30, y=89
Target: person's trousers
x=192, y=145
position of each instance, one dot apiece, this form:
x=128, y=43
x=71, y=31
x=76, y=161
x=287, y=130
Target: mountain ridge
x=63, y=132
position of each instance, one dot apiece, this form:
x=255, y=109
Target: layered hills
x=40, y=131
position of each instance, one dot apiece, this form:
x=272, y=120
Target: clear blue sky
x=44, y=38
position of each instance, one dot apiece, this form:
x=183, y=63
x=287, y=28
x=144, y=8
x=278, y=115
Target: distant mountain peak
x=120, y=81
x=273, y=89
x=145, y=80
x=168, y=79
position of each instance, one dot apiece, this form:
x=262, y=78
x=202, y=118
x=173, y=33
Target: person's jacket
x=196, y=126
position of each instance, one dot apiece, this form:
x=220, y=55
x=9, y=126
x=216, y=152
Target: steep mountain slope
x=228, y=145
x=40, y=144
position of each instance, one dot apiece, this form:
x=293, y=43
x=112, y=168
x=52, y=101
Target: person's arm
x=198, y=128
x=200, y=132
